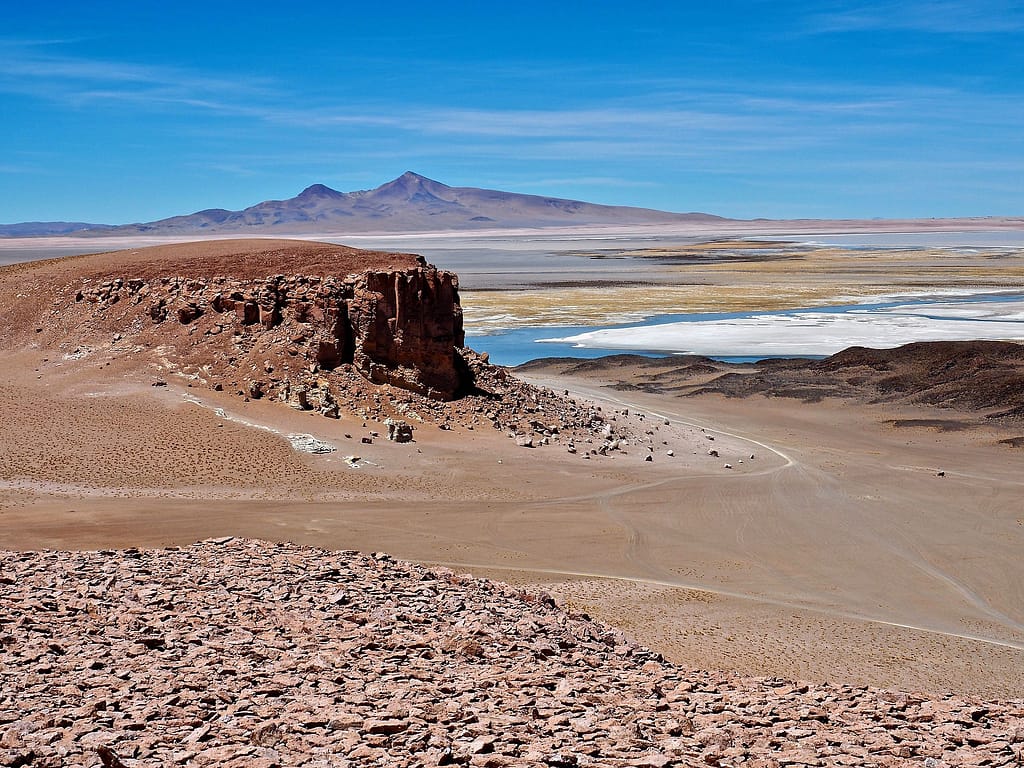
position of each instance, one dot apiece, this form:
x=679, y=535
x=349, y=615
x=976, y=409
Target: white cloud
x=710, y=126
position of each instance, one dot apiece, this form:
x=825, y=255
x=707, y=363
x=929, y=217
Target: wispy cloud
x=645, y=110
x=514, y=123
x=952, y=17
x=569, y=181
x=711, y=126
x=883, y=125
x=29, y=68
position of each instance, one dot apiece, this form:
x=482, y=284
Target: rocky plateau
x=320, y=327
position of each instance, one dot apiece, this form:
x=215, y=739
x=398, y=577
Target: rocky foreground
x=243, y=653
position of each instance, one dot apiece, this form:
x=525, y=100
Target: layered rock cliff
x=400, y=327
x=232, y=320
x=405, y=327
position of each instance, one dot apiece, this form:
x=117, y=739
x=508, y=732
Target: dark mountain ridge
x=983, y=378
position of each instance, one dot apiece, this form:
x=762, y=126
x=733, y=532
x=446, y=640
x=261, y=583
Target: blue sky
x=118, y=112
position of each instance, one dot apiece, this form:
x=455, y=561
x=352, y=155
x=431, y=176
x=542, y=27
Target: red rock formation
x=320, y=327
x=405, y=327
x=397, y=326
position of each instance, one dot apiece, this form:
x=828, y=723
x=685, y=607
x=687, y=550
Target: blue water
x=519, y=345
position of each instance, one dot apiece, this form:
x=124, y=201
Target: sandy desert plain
x=831, y=550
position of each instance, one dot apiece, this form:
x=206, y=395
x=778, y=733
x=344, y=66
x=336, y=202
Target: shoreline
x=681, y=334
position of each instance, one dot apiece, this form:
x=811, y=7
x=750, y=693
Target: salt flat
x=817, y=333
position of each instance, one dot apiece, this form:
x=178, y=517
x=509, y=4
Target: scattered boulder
x=187, y=313
x=398, y=431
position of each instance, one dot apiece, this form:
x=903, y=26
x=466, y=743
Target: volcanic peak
x=319, y=191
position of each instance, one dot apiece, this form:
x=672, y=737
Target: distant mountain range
x=36, y=228
x=410, y=203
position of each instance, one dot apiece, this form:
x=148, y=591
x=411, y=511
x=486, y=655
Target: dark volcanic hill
x=409, y=203
x=972, y=377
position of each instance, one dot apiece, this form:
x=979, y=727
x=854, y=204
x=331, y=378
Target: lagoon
x=745, y=336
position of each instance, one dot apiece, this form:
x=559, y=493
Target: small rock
x=385, y=726
x=109, y=757
x=653, y=760
x=482, y=746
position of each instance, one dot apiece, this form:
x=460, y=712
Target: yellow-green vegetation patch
x=818, y=277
